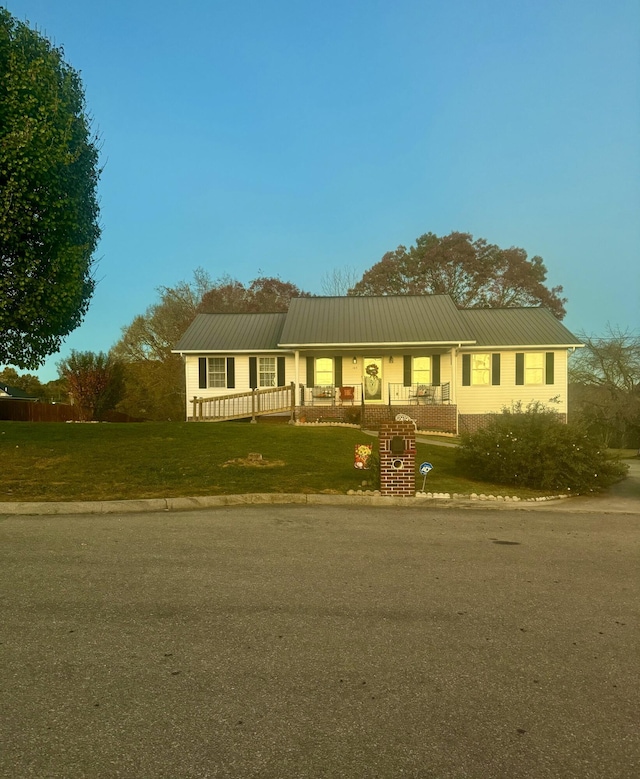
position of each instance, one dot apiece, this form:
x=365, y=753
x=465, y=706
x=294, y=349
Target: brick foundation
x=397, y=481
x=471, y=423
x=427, y=417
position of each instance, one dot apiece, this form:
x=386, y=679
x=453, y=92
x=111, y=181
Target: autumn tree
x=48, y=206
x=154, y=378
x=474, y=273
x=604, y=389
x=265, y=294
x=95, y=382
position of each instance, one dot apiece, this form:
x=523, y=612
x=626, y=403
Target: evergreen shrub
x=532, y=448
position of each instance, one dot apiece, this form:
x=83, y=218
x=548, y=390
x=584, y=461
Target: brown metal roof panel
x=375, y=320
x=517, y=327
x=232, y=332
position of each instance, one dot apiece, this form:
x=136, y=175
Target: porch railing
x=417, y=394
x=396, y=395
x=331, y=395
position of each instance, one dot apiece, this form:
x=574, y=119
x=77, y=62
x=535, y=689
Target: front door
x=372, y=380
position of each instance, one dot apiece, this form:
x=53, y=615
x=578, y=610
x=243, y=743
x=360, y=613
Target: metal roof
x=232, y=333
x=14, y=393
x=391, y=321
x=517, y=327
x=350, y=321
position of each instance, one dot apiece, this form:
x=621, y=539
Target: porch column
x=454, y=384
x=452, y=392
x=296, y=372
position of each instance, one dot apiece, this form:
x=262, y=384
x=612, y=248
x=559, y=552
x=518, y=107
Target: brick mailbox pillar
x=397, y=449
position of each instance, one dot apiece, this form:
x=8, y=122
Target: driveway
x=286, y=642
x=621, y=497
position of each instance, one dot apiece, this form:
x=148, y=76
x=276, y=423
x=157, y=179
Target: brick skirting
x=427, y=417
x=471, y=423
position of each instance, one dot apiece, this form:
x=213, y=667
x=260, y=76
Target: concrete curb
x=570, y=505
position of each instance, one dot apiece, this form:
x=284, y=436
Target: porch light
x=391, y=359
x=355, y=360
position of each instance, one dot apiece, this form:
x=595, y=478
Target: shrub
x=533, y=448
x=353, y=415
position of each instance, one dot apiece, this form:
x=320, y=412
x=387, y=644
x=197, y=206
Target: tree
x=154, y=378
x=265, y=294
x=95, y=382
x=474, y=273
x=338, y=282
x=604, y=390
x=26, y=382
x=48, y=205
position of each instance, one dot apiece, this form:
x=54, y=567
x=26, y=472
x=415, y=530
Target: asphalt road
x=284, y=642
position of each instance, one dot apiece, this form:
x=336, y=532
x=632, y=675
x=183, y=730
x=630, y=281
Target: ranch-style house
x=366, y=359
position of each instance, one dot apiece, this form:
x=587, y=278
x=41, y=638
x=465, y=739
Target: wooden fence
x=27, y=411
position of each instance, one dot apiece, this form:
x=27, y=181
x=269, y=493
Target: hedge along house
x=369, y=358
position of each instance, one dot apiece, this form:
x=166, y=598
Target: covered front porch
x=394, y=393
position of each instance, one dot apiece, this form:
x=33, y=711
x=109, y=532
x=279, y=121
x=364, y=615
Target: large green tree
x=474, y=273
x=48, y=206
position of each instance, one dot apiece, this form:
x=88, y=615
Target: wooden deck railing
x=254, y=403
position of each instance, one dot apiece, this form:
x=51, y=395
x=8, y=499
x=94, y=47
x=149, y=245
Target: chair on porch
x=424, y=394
x=347, y=394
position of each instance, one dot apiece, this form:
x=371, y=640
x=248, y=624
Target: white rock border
x=488, y=498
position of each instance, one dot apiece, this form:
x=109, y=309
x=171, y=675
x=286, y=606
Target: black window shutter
x=253, y=372
x=231, y=372
x=495, y=369
x=337, y=371
x=407, y=370
x=519, y=367
x=466, y=370
x=311, y=364
x=435, y=370
x=280, y=371
x=202, y=372
x=549, y=378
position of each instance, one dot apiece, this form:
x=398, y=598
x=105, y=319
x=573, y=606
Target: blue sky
x=290, y=138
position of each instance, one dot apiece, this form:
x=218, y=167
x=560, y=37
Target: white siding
x=492, y=399
x=241, y=376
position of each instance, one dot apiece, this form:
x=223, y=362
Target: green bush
x=533, y=448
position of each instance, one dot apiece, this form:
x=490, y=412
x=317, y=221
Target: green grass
x=53, y=461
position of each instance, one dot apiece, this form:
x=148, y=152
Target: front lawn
x=57, y=461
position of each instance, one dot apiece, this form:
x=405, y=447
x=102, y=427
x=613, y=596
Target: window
x=480, y=369
x=267, y=371
x=422, y=370
x=324, y=371
x=217, y=372
x=533, y=368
